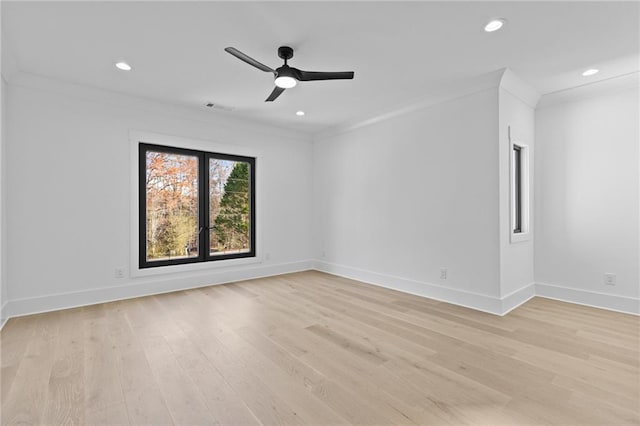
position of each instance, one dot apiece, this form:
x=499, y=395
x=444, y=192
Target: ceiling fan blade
x=314, y=75
x=249, y=60
x=276, y=92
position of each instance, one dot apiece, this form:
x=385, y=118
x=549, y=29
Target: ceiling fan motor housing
x=285, y=52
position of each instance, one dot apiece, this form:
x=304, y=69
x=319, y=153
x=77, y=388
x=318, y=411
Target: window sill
x=520, y=237
x=193, y=267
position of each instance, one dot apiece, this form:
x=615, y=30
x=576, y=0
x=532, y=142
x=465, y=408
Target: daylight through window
x=195, y=206
x=517, y=189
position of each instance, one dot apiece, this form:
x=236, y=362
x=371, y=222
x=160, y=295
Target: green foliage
x=172, y=207
x=231, y=226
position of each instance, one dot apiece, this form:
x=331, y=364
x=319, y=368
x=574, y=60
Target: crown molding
x=518, y=88
x=121, y=100
x=609, y=85
x=444, y=93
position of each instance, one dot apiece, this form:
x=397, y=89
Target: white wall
x=516, y=258
x=587, y=186
x=397, y=200
x=3, y=92
x=69, y=187
x=3, y=128
x=390, y=202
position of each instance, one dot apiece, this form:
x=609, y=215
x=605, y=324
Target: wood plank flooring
x=314, y=349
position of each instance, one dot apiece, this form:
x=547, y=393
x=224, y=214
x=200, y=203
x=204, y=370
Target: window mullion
x=203, y=206
x=142, y=200
x=170, y=200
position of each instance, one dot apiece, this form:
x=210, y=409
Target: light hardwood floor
x=310, y=348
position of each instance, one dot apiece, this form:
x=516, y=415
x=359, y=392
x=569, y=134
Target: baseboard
x=517, y=298
x=3, y=316
x=612, y=302
x=147, y=287
x=477, y=301
x=480, y=302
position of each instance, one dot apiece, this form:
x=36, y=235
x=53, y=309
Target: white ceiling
x=400, y=51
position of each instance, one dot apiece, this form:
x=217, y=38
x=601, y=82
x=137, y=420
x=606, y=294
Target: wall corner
x=519, y=88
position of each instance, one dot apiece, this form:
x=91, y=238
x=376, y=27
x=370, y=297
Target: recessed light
x=123, y=66
x=300, y=113
x=591, y=71
x=494, y=25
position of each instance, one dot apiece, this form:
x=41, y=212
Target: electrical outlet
x=267, y=256
x=609, y=279
x=118, y=273
x=443, y=273
x=323, y=254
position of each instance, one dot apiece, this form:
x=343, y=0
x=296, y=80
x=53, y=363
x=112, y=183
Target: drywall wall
x=587, y=213
x=397, y=200
x=3, y=128
x=516, y=124
x=68, y=192
x=3, y=91
x=390, y=202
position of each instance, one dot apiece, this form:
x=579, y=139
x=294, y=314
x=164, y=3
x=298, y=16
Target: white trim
x=517, y=298
x=490, y=304
x=520, y=237
x=203, y=267
x=120, y=100
x=3, y=314
x=137, y=136
x=589, y=90
x=494, y=305
x=525, y=178
x=58, y=301
x=477, y=301
x=448, y=91
x=611, y=302
x=518, y=88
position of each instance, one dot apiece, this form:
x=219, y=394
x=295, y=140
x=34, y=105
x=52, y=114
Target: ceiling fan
x=287, y=77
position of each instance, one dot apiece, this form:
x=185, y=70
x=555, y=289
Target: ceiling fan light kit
x=285, y=76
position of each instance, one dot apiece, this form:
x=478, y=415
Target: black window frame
x=203, y=205
x=517, y=192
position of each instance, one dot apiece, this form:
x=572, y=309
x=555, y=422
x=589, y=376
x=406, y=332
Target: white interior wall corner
x=8, y=63
x=588, y=194
x=2, y=180
x=390, y=200
x=499, y=298
x=516, y=122
x=74, y=124
x=519, y=88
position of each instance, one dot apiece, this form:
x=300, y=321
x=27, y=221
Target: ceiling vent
x=218, y=107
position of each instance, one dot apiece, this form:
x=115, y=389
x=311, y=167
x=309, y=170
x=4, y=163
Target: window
x=519, y=192
x=195, y=206
x=517, y=189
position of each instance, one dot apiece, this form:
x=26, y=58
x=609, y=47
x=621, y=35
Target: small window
x=517, y=189
x=519, y=192
x=195, y=206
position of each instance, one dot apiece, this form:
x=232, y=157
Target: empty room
x=320, y=213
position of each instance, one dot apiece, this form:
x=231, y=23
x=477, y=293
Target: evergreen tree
x=231, y=226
